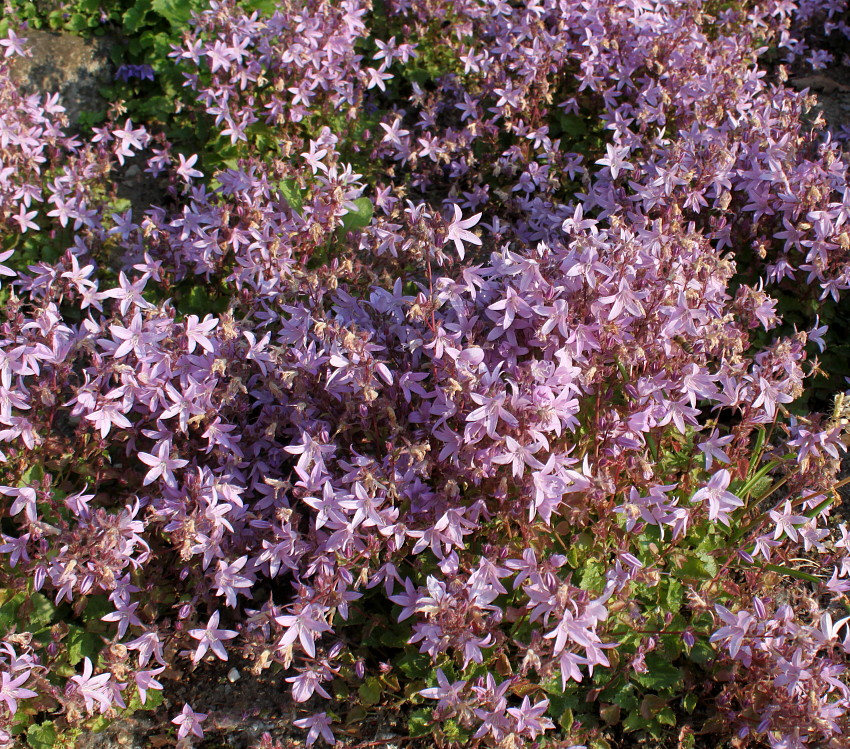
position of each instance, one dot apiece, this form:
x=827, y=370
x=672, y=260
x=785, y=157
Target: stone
x=74, y=67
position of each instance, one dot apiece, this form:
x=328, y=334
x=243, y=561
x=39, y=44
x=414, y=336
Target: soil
x=240, y=708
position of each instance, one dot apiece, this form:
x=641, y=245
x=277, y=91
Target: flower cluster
x=488, y=344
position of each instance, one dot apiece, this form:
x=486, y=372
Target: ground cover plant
x=447, y=378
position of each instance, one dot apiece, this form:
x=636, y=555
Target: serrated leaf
x=414, y=665
x=572, y=124
x=97, y=606
x=77, y=22
x=394, y=637
x=454, y=733
x=40, y=611
x=592, y=576
x=176, y=12
x=666, y=717
x=651, y=705
x=9, y=612
x=153, y=700
x=98, y=723
x=634, y=721
x=701, y=652
x=419, y=722
x=134, y=18
x=610, y=714
x=42, y=736
x=660, y=674
x=370, y=691
x=702, y=566
x=32, y=475
x=673, y=595
x=356, y=715
x=263, y=7
x=80, y=644
x=623, y=696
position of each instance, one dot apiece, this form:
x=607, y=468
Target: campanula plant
x=441, y=381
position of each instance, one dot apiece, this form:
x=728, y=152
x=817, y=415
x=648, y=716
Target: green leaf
x=666, y=717
x=370, y=691
x=359, y=218
x=293, y=195
x=394, y=637
x=572, y=124
x=40, y=611
x=751, y=485
x=199, y=301
x=454, y=733
x=33, y=474
x=77, y=22
x=98, y=723
x=635, y=722
x=9, y=612
x=176, y=12
x=689, y=702
x=417, y=75
x=135, y=17
x=651, y=705
x=80, y=644
x=673, y=595
x=660, y=674
x=42, y=736
x=414, y=665
x=701, y=652
x=799, y=574
x=419, y=722
x=356, y=715
x=263, y=7
x=592, y=577
x=96, y=607
x=702, y=566
x=622, y=694
x=152, y=701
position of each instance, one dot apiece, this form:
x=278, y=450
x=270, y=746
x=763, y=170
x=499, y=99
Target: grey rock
x=74, y=67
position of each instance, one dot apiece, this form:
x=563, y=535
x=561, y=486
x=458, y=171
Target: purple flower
x=736, y=629
x=189, y=722
x=126, y=72
x=786, y=522
x=14, y=45
x=145, y=680
x=186, y=172
x=161, y=464
x=303, y=626
x=319, y=724
x=720, y=501
x=458, y=231
x=306, y=683
x=11, y=689
x=94, y=688
x=529, y=718
x=211, y=638
x=615, y=160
